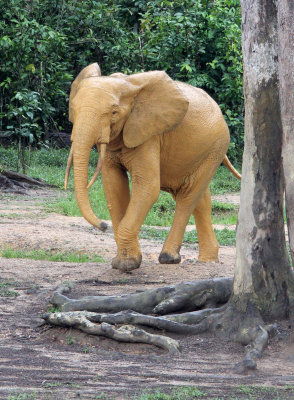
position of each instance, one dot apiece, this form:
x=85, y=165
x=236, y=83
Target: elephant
x=167, y=135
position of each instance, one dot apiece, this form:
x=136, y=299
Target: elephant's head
x=102, y=108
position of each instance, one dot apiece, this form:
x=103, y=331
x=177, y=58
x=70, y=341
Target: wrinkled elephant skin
x=168, y=135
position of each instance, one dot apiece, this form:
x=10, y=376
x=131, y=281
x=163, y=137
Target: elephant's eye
x=114, y=112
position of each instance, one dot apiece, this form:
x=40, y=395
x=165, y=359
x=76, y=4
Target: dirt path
x=57, y=363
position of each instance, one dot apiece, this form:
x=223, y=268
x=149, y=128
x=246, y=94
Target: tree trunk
x=262, y=276
x=286, y=78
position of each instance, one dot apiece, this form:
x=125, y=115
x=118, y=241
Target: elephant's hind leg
x=208, y=245
x=170, y=253
x=194, y=199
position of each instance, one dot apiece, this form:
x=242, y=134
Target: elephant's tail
x=227, y=163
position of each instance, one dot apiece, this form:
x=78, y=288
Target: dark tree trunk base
x=241, y=322
x=14, y=182
x=200, y=306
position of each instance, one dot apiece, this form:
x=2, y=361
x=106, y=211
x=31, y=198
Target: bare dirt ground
x=58, y=363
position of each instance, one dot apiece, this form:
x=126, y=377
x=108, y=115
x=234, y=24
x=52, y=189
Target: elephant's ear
x=159, y=106
x=88, y=72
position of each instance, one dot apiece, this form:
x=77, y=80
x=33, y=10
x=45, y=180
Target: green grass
x=225, y=237
x=224, y=213
x=224, y=182
x=6, y=291
x=50, y=256
x=242, y=392
x=49, y=164
x=22, y=396
x=177, y=393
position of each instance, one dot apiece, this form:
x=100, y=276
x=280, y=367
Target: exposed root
x=186, y=296
x=230, y=317
x=258, y=341
x=14, y=182
x=167, y=323
x=125, y=333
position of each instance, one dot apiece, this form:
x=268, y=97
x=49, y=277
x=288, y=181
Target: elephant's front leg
x=117, y=193
x=143, y=163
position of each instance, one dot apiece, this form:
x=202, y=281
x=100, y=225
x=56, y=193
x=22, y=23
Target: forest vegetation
x=45, y=43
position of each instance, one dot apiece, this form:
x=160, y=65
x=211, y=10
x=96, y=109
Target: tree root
x=126, y=333
x=258, y=341
x=14, y=182
x=186, y=296
x=198, y=307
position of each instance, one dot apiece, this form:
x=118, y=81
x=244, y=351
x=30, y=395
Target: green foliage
x=45, y=43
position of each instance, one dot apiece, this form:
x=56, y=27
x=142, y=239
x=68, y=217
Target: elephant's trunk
x=82, y=144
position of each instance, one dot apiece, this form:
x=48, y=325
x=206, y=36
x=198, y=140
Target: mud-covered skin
x=167, y=135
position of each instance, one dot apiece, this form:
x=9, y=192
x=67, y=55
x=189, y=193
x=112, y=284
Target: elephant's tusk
x=99, y=165
x=96, y=173
x=68, y=167
x=102, y=150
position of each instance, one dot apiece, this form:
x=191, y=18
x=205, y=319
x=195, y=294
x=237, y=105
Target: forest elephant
x=167, y=135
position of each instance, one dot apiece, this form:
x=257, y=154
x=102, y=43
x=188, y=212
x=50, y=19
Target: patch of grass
x=12, y=215
x=177, y=393
x=101, y=396
x=22, y=396
x=52, y=385
x=53, y=309
x=265, y=392
x=5, y=290
x=51, y=256
x=224, y=181
x=70, y=339
x=242, y=392
x=162, y=212
x=6, y=284
x=45, y=163
x=225, y=237
x=224, y=213
x=225, y=219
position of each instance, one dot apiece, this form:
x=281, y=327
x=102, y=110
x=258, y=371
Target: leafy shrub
x=45, y=43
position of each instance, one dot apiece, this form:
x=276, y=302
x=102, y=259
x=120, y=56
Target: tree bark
x=286, y=78
x=14, y=182
x=262, y=271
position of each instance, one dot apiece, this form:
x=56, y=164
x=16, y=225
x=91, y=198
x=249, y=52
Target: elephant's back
x=203, y=111
x=203, y=131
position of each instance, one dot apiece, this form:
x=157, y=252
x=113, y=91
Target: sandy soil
x=57, y=363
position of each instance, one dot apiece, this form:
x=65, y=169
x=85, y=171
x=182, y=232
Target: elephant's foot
x=166, y=258
x=208, y=259
x=126, y=264
x=209, y=255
